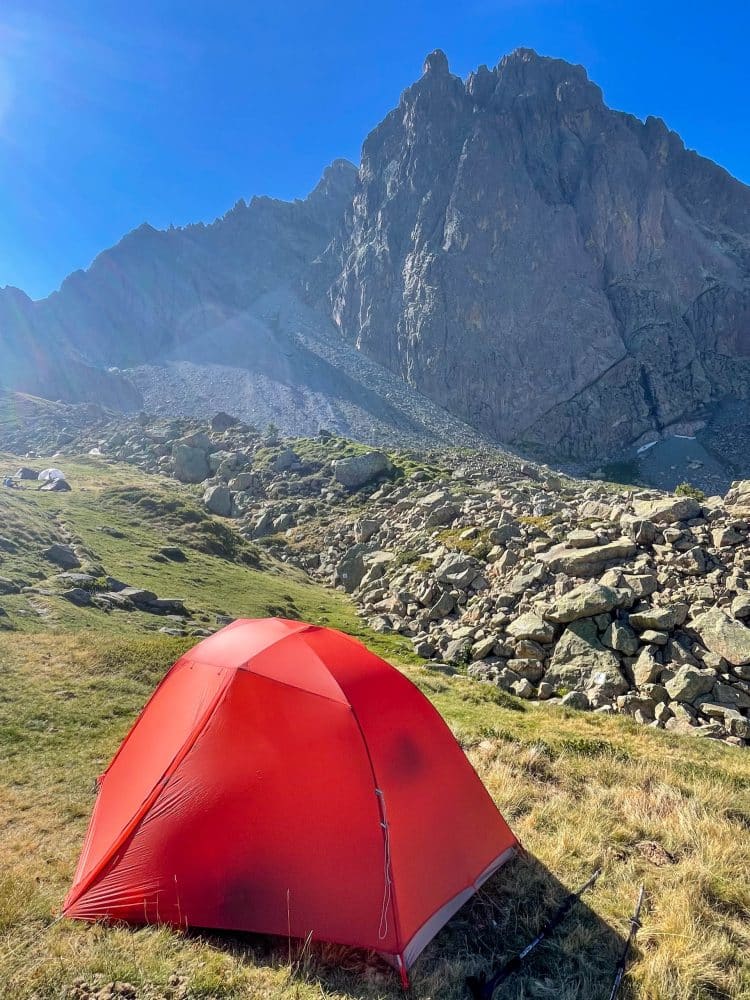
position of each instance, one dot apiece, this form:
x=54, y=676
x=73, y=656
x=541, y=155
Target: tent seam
x=298, y=632
x=377, y=790
x=294, y=687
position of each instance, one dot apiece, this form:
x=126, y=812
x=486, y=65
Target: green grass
x=477, y=546
x=542, y=522
x=686, y=489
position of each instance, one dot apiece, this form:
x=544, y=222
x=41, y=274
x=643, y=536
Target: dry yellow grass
x=580, y=791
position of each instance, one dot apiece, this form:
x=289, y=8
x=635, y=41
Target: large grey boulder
x=78, y=596
x=531, y=626
x=737, y=499
x=458, y=650
x=647, y=668
x=723, y=636
x=582, y=538
x=659, y=618
x=444, y=514
x=190, y=462
x=263, y=525
x=580, y=662
x=441, y=608
x=360, y=469
x=622, y=638
x=589, y=561
x=690, y=683
x=365, y=528
x=351, y=568
x=223, y=462
x=218, y=499
x=667, y=510
x=583, y=602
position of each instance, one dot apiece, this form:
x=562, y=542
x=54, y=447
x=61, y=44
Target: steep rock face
x=557, y=273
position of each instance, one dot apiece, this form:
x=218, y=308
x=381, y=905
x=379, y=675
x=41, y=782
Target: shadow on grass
x=576, y=963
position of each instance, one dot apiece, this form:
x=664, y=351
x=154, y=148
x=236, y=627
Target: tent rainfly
x=48, y=475
x=285, y=780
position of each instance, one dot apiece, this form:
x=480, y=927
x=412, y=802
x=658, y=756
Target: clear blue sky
x=115, y=112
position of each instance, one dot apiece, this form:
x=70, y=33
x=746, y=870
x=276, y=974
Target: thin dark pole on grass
x=635, y=923
x=484, y=989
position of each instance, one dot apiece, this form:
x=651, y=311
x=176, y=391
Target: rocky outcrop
x=559, y=274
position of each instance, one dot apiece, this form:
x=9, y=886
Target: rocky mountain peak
x=524, y=75
x=334, y=191
x=436, y=62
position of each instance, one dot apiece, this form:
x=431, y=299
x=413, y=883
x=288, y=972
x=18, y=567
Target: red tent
x=283, y=779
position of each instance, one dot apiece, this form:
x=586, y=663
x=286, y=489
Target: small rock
x=522, y=688
x=242, y=482
x=284, y=460
x=654, y=637
x=221, y=422
x=365, y=528
x=577, y=700
x=582, y=538
x=173, y=553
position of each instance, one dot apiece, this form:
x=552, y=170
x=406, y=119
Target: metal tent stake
x=484, y=989
x=635, y=923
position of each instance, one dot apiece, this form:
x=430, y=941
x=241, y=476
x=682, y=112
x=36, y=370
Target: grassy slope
x=579, y=789
x=107, y=496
